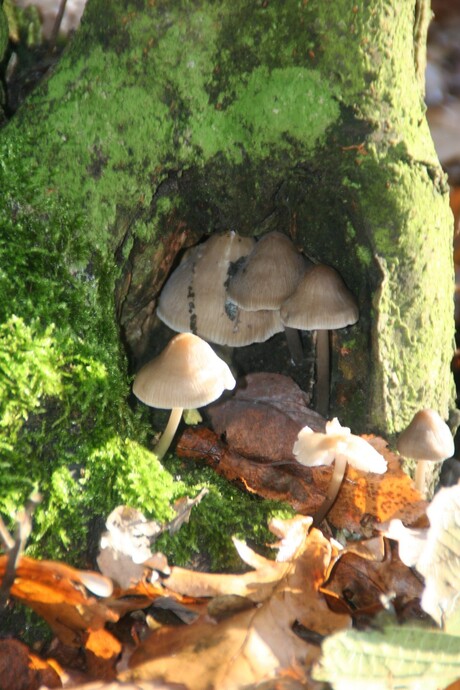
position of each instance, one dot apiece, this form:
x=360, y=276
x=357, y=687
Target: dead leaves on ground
x=257, y=628
x=267, y=623
x=258, y=643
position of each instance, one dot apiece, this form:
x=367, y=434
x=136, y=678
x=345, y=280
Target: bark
x=165, y=121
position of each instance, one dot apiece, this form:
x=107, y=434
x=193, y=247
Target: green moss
x=224, y=512
x=364, y=255
x=3, y=32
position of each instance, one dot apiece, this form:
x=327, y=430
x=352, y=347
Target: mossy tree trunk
x=168, y=120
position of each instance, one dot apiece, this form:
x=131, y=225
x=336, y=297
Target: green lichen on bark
x=401, y=210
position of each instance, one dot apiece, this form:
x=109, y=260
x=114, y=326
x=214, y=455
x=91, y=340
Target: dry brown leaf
x=268, y=402
x=367, y=572
x=140, y=685
x=101, y=652
x=364, y=500
x=257, y=644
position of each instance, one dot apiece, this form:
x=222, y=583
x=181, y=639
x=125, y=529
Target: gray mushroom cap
x=268, y=275
x=195, y=297
x=321, y=301
x=426, y=438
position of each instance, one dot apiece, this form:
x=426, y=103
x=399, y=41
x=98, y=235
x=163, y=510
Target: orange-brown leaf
x=56, y=592
x=364, y=499
x=20, y=668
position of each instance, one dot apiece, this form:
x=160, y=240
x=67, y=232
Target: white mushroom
x=338, y=443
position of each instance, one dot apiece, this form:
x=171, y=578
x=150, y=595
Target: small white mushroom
x=338, y=443
x=187, y=374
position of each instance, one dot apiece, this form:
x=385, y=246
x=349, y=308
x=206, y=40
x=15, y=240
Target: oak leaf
x=258, y=643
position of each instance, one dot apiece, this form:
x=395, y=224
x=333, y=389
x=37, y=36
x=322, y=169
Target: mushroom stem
x=419, y=478
x=294, y=344
x=322, y=372
x=168, y=434
x=340, y=465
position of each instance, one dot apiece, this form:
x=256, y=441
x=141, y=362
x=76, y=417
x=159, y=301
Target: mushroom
x=187, y=374
x=195, y=296
x=427, y=438
x=338, y=443
x=321, y=302
x=266, y=277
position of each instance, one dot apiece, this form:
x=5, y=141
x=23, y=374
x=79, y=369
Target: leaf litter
x=374, y=606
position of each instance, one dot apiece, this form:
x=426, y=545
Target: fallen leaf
x=256, y=644
x=270, y=403
x=102, y=651
x=407, y=657
x=366, y=574
x=126, y=545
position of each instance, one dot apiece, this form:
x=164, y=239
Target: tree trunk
x=165, y=121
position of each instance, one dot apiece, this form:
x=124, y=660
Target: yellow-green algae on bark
x=402, y=197
x=304, y=117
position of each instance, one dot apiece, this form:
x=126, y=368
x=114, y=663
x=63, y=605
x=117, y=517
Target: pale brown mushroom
x=321, y=302
x=195, y=299
x=426, y=439
x=266, y=277
x=187, y=374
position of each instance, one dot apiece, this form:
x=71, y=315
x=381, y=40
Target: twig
x=57, y=24
x=22, y=533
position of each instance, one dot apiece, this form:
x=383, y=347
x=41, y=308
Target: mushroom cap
x=315, y=448
x=321, y=301
x=187, y=374
x=195, y=298
x=268, y=275
x=426, y=438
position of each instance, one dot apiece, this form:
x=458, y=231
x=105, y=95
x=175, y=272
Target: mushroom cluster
x=195, y=299
x=234, y=291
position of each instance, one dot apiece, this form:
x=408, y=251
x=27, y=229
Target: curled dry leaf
x=263, y=405
x=435, y=553
x=365, y=574
x=256, y=644
x=126, y=545
x=58, y=594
